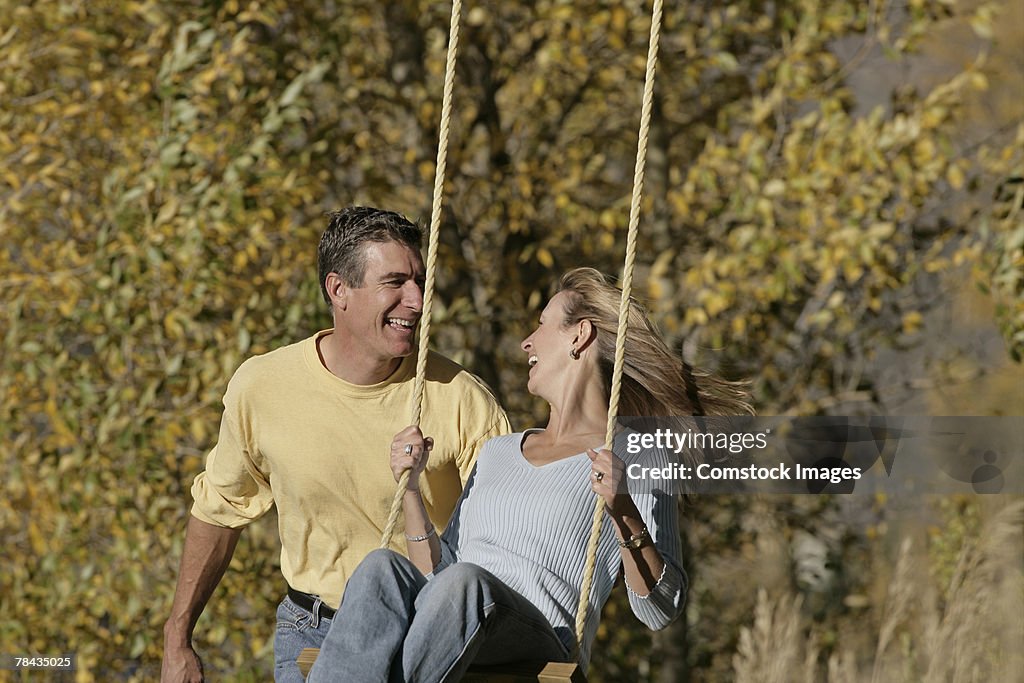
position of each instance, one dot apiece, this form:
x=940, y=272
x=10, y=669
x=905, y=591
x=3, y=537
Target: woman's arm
x=422, y=544
x=409, y=451
x=651, y=558
x=642, y=564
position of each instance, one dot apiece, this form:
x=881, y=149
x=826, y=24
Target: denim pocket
x=291, y=617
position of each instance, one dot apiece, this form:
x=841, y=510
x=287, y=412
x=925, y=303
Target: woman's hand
x=608, y=478
x=409, y=451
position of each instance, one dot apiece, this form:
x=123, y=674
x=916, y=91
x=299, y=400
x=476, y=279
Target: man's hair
x=341, y=246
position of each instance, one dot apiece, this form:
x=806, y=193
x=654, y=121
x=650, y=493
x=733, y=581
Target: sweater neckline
x=529, y=465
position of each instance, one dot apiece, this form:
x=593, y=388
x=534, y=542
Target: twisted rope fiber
x=428, y=288
x=627, y=286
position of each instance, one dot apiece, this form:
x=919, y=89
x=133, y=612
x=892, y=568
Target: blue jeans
x=394, y=625
x=297, y=629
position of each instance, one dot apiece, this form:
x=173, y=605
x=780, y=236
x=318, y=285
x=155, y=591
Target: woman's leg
x=465, y=614
x=371, y=624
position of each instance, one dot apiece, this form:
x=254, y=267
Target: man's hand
x=181, y=665
x=207, y=552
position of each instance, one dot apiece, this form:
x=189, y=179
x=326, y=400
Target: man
x=308, y=428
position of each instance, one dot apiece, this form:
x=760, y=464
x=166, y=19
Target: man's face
x=380, y=317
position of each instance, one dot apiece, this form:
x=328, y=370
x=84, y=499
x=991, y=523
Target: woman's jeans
x=394, y=625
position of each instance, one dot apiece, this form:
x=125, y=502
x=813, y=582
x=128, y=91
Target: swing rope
x=309, y=655
x=627, y=286
x=428, y=288
x=627, y=281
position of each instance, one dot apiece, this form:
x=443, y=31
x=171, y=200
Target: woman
x=503, y=582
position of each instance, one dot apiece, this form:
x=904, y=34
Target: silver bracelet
x=424, y=537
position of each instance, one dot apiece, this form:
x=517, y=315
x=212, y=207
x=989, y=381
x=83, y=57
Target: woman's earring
x=573, y=353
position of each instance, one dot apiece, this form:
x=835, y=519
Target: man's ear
x=337, y=291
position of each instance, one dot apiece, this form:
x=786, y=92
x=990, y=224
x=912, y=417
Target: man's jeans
x=297, y=629
x=394, y=625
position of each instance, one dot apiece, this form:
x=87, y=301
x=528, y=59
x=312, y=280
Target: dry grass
x=903, y=590
x=973, y=635
x=771, y=651
x=977, y=638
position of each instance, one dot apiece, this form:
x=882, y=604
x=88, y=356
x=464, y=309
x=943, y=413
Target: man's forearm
x=207, y=552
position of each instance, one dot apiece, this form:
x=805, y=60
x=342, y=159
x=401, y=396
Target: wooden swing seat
x=520, y=672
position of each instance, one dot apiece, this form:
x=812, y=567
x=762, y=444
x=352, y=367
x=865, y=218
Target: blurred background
x=833, y=209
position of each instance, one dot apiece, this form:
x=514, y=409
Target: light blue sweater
x=529, y=526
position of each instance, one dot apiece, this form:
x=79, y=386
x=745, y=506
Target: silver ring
x=598, y=476
x=408, y=449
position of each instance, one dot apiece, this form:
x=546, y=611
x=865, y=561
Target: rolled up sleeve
x=233, y=491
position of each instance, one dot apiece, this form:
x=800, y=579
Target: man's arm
x=208, y=550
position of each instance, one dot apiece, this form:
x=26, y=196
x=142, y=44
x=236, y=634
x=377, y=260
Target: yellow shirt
x=318, y=447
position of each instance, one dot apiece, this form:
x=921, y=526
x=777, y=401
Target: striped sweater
x=529, y=526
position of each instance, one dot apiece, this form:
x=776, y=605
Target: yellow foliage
x=912, y=322
x=165, y=168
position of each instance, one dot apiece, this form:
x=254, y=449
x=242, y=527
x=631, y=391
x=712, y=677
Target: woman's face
x=548, y=347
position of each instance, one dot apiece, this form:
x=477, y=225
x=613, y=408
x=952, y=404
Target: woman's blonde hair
x=655, y=382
